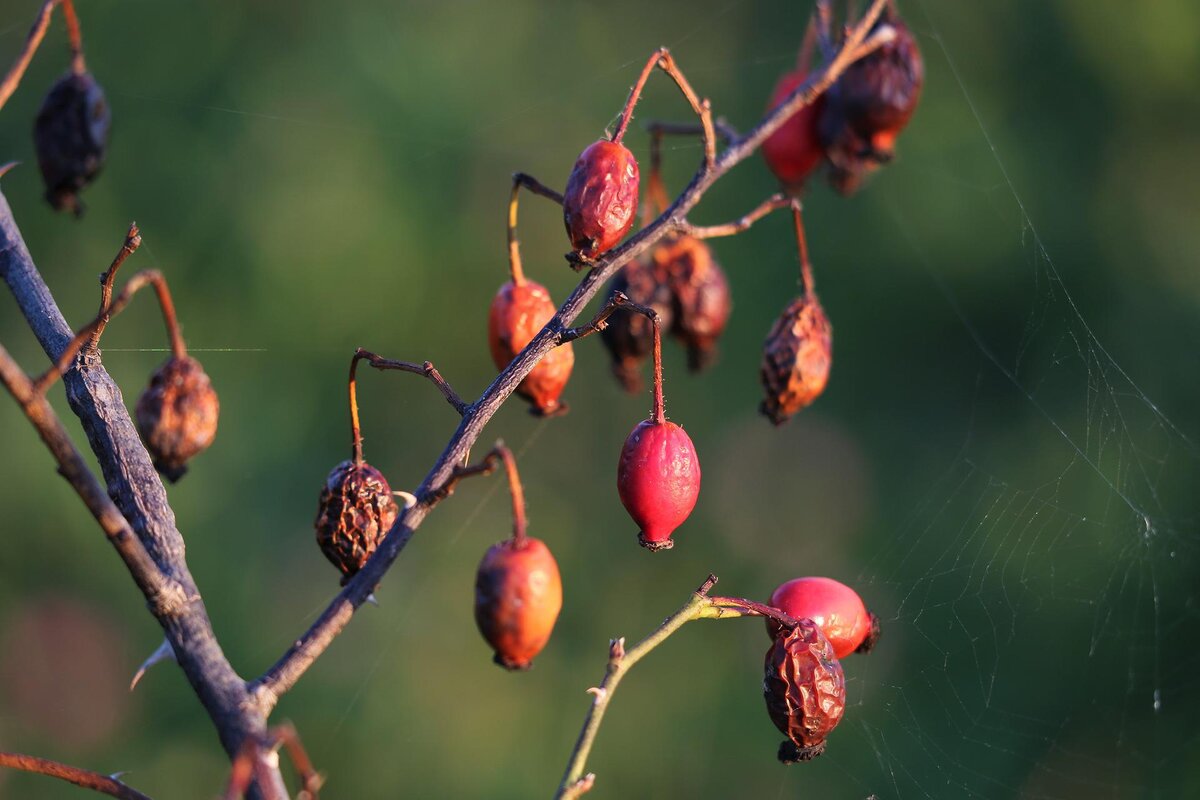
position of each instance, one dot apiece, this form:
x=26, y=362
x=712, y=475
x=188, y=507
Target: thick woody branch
x=305, y=651
x=425, y=368
x=104, y=784
x=772, y=203
x=134, y=485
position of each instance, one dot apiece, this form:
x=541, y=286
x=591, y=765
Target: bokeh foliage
x=318, y=176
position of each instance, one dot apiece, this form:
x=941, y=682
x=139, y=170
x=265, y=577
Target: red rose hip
x=833, y=607
x=658, y=474
x=794, y=150
x=601, y=199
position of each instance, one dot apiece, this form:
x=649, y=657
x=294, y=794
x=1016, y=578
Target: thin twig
x=425, y=368
x=520, y=179
x=133, y=240
x=13, y=79
x=597, y=323
x=537, y=187
x=662, y=59
x=721, y=127
x=249, y=761
x=104, y=784
x=772, y=203
x=140, y=280
x=289, y=668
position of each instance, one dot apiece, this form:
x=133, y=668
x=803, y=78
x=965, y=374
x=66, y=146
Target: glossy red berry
x=794, y=150
x=805, y=690
x=601, y=199
x=518, y=594
x=177, y=414
x=355, y=512
x=700, y=295
x=658, y=478
x=518, y=312
x=629, y=338
x=70, y=135
x=797, y=356
x=834, y=607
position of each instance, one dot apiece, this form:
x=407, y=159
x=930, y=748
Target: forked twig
x=425, y=368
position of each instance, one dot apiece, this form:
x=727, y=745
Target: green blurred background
x=1004, y=464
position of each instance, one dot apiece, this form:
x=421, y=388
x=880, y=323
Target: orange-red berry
x=794, y=150
x=518, y=312
x=518, y=594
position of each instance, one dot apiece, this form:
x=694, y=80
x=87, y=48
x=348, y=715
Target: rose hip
x=805, y=690
x=70, y=136
x=794, y=150
x=177, y=414
x=834, y=607
x=601, y=199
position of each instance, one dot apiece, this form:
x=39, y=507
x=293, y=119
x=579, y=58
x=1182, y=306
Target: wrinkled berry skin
x=518, y=312
x=601, y=199
x=355, y=512
x=70, y=135
x=518, y=594
x=797, y=356
x=658, y=479
x=868, y=107
x=834, y=607
x=794, y=150
x=805, y=691
x=629, y=337
x=177, y=415
x=700, y=296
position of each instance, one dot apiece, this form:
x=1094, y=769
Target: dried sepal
x=177, y=414
x=805, y=690
x=355, y=512
x=797, y=356
x=70, y=135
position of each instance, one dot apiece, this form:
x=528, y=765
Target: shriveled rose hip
x=601, y=199
x=355, y=511
x=177, y=414
x=700, y=292
x=658, y=473
x=629, y=338
x=70, y=135
x=834, y=607
x=805, y=690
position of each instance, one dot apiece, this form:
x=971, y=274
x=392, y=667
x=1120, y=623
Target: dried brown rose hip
x=805, y=690
x=798, y=351
x=658, y=473
x=70, y=136
x=355, y=512
x=518, y=589
x=629, y=338
x=834, y=607
x=177, y=414
x=356, y=508
x=869, y=105
x=520, y=309
x=601, y=199
x=700, y=292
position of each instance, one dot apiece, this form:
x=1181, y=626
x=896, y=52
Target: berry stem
x=660, y=415
x=514, y=487
x=149, y=277
x=635, y=94
x=355, y=430
x=74, y=36
x=806, y=276
x=804, y=57
x=656, y=190
x=514, y=246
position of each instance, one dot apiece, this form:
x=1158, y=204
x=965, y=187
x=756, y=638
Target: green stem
x=699, y=606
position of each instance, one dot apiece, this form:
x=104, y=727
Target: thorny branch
x=104, y=784
x=140, y=522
